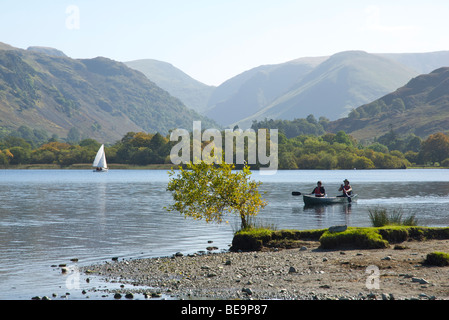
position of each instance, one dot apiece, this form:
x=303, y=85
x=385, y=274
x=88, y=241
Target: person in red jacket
x=319, y=190
x=346, y=188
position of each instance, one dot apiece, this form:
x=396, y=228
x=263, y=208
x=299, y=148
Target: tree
x=209, y=191
x=435, y=148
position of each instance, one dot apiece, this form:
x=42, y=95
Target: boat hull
x=101, y=170
x=312, y=200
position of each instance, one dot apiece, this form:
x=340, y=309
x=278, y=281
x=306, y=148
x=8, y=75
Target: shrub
x=439, y=259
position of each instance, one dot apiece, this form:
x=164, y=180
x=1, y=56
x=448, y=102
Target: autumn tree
x=208, y=191
x=435, y=148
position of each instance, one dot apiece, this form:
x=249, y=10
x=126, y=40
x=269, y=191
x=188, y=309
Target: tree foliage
x=207, y=191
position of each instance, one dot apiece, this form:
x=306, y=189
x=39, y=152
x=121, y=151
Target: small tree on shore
x=210, y=191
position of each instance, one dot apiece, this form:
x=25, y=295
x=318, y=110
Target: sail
x=100, y=158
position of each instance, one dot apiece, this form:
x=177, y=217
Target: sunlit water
x=48, y=217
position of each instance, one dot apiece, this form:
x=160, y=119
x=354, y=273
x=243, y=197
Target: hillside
x=422, y=63
x=342, y=82
x=420, y=107
x=191, y=92
x=102, y=98
x=247, y=93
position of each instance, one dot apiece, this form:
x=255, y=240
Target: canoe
x=310, y=199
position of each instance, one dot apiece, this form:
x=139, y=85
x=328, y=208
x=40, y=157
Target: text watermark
x=255, y=148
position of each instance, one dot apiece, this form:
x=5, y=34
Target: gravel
x=308, y=273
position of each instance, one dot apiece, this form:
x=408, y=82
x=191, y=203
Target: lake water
x=48, y=217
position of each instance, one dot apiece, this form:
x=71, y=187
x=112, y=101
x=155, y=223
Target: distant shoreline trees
x=305, y=151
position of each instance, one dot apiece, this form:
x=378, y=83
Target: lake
x=49, y=217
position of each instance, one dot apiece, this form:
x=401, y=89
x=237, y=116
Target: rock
x=292, y=270
x=303, y=248
x=387, y=296
x=179, y=254
x=129, y=296
x=117, y=296
x=211, y=248
x=325, y=259
x=248, y=291
x=420, y=280
x=45, y=298
x=335, y=229
x=228, y=263
x=114, y=259
x=388, y=258
x=36, y=298
x=64, y=270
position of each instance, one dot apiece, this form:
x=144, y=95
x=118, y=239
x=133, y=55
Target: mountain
x=191, y=92
x=247, y=93
x=421, y=107
x=47, y=50
x=102, y=98
x=420, y=62
x=336, y=86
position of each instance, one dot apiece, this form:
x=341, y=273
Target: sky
x=214, y=40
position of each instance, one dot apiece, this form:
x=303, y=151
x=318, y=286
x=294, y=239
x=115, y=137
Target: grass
x=440, y=259
x=380, y=217
x=255, y=239
x=363, y=238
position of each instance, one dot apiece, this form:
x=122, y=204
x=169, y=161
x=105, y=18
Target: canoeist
x=346, y=188
x=319, y=190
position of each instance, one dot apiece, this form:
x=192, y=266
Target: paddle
x=296, y=193
x=347, y=196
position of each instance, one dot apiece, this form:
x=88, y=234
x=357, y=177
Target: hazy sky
x=215, y=40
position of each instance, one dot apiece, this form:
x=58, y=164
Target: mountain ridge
x=421, y=107
x=193, y=93
x=102, y=98
x=337, y=85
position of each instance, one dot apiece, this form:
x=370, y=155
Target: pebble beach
x=306, y=273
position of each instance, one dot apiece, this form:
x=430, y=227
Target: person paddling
x=346, y=188
x=319, y=190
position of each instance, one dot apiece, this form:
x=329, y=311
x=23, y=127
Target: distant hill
x=247, y=93
x=191, y=92
x=102, y=98
x=336, y=86
x=421, y=107
x=48, y=50
x=420, y=62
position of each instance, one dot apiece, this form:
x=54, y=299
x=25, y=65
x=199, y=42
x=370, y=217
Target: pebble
x=129, y=296
x=248, y=291
x=420, y=280
x=272, y=275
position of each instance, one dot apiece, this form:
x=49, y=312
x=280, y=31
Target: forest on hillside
x=304, y=151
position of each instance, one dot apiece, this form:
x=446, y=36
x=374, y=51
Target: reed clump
x=380, y=217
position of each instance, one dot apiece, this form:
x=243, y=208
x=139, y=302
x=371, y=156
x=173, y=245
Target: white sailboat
x=100, y=161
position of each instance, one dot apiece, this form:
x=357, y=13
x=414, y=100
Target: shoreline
x=165, y=166
x=306, y=273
